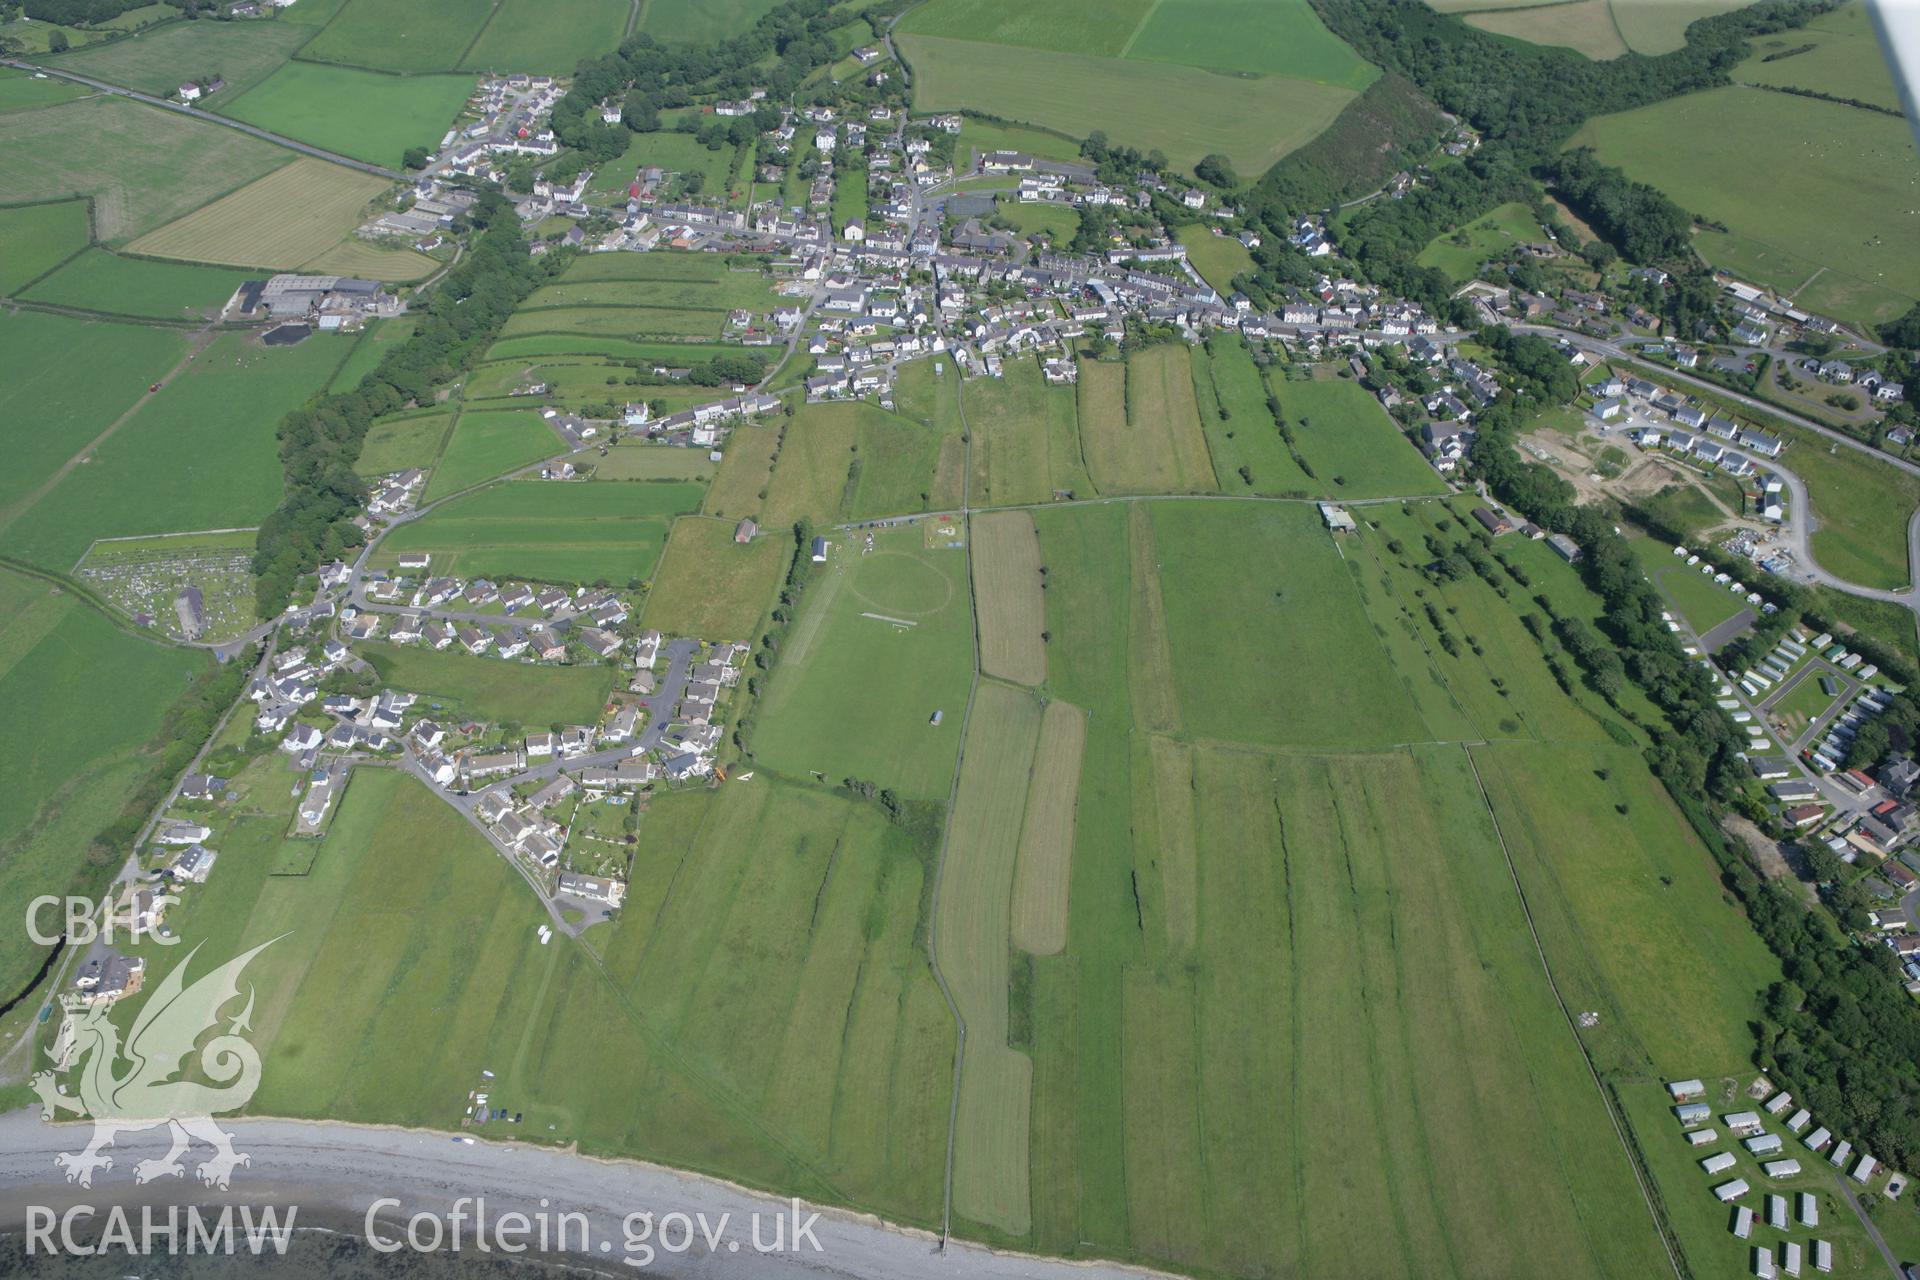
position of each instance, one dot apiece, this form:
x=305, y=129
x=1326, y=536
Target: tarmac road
x=334, y=1172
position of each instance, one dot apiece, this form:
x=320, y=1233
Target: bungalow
x=598, y=888
x=603, y=643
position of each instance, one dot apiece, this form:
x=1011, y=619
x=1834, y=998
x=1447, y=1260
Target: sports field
x=1829, y=196
x=284, y=220
x=494, y=688
x=354, y=113
x=1184, y=111
x=552, y=531
x=63, y=788
x=401, y=35
x=142, y=165
x=158, y=62
x=488, y=444
x=101, y=281
x=710, y=586
x=547, y=37
x=1026, y=442
x=46, y=414
x=1140, y=424
x=36, y=238
x=199, y=454
x=395, y=444
x=883, y=640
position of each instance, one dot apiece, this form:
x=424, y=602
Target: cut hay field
x=549, y=531
x=746, y=470
x=1026, y=438
x=1009, y=584
x=64, y=788
x=488, y=444
x=1846, y=59
x=402, y=35
x=547, y=37
x=1584, y=26
x=850, y=461
x=654, y=462
x=854, y=694
x=395, y=444
x=46, y=414
x=493, y=688
x=1184, y=111
x=1043, y=873
x=1140, y=424
x=1249, y=454
x=101, y=281
x=284, y=220
x=1660, y=26
x=36, y=238
x=355, y=113
x=1353, y=447
x=710, y=586
x=199, y=454
x=1836, y=193
x=158, y=62
x=143, y=166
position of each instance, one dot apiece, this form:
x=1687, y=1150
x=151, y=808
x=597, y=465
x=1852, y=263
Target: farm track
x=194, y=112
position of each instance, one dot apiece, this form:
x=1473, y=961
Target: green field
x=712, y=587
x=1585, y=26
x=354, y=113
x=1846, y=59
x=548, y=37
x=667, y=353
x=819, y=1066
x=854, y=693
x=63, y=788
x=700, y=21
x=1460, y=253
x=102, y=281
x=1829, y=194
x=36, y=238
x=1249, y=454
x=614, y=322
x=675, y=152
x=1241, y=37
x=402, y=35
x=654, y=462
x=489, y=444
x=158, y=62
x=978, y=135
x=375, y=340
x=1026, y=439
x=1184, y=111
x=22, y=92
x=395, y=444
x=1218, y=258
x=1688, y=592
x=1354, y=448
x=143, y=166
x=550, y=531
x=494, y=689
x=199, y=454
x=46, y=414
x=1861, y=507
x=1223, y=1035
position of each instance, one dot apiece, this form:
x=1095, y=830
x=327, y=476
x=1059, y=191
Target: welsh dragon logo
x=159, y=1049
